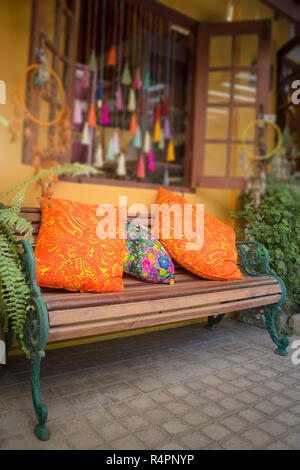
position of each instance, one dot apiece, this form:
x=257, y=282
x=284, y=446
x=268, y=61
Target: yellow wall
x=14, y=38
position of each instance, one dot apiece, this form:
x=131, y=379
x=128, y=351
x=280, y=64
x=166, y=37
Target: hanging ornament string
x=170, y=150
x=273, y=151
x=102, y=54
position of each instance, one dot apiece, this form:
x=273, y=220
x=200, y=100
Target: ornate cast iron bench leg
x=36, y=332
x=214, y=320
x=254, y=261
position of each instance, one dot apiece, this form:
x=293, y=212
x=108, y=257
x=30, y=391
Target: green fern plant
x=15, y=296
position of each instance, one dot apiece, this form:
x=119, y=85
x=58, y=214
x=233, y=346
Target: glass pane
x=215, y=157
x=246, y=50
x=241, y=117
x=217, y=123
x=220, y=51
x=217, y=92
x=238, y=160
x=245, y=87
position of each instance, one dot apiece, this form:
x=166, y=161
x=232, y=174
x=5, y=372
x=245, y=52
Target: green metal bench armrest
x=254, y=260
x=36, y=329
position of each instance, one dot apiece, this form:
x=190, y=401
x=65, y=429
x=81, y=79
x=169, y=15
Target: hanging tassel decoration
x=141, y=168
x=85, y=137
x=157, y=132
x=166, y=177
x=77, y=113
x=147, y=142
x=93, y=62
x=116, y=143
x=157, y=113
x=105, y=115
x=121, y=169
x=119, y=98
x=165, y=106
x=147, y=80
x=92, y=116
x=138, y=138
x=137, y=80
x=133, y=124
x=131, y=100
x=126, y=76
x=98, y=161
x=85, y=78
x=170, y=152
x=167, y=128
x=111, y=149
x=100, y=95
x=161, y=143
x=151, y=161
x=112, y=56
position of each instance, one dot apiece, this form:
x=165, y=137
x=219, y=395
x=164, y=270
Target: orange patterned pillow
x=216, y=259
x=69, y=254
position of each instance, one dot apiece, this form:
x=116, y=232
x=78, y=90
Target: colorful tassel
x=161, y=143
x=141, y=168
x=133, y=124
x=126, y=76
x=166, y=177
x=93, y=62
x=100, y=95
x=77, y=113
x=157, y=113
x=116, y=143
x=147, y=80
x=85, y=137
x=112, y=56
x=151, y=161
x=138, y=138
x=131, y=100
x=92, y=116
x=167, y=132
x=165, y=106
x=119, y=98
x=147, y=142
x=111, y=149
x=157, y=132
x=121, y=169
x=105, y=115
x=170, y=152
x=85, y=78
x=137, y=80
x=98, y=161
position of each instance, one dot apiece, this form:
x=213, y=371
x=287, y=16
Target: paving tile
x=216, y=431
x=258, y=438
x=288, y=418
x=234, y=423
x=195, y=441
x=237, y=443
x=84, y=440
x=214, y=411
x=128, y=443
x=152, y=436
x=273, y=427
x=175, y=426
x=196, y=418
x=251, y=415
x=293, y=440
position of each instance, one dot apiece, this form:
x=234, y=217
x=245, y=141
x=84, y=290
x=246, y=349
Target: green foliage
x=15, y=297
x=276, y=224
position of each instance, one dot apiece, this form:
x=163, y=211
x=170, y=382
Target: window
x=132, y=97
x=232, y=84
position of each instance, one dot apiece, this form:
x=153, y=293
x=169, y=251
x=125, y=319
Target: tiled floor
x=185, y=388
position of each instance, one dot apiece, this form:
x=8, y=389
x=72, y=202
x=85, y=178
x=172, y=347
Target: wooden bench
x=61, y=315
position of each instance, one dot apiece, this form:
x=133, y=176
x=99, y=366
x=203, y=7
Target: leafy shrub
x=276, y=224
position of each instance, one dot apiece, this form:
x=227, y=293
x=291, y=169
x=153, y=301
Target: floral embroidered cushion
x=146, y=257
x=216, y=259
x=70, y=255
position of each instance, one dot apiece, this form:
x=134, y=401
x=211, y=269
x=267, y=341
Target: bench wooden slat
x=90, y=313
x=142, y=321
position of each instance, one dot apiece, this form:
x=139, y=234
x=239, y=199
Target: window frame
x=262, y=28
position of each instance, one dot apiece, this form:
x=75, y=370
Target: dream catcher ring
x=47, y=70
x=273, y=151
